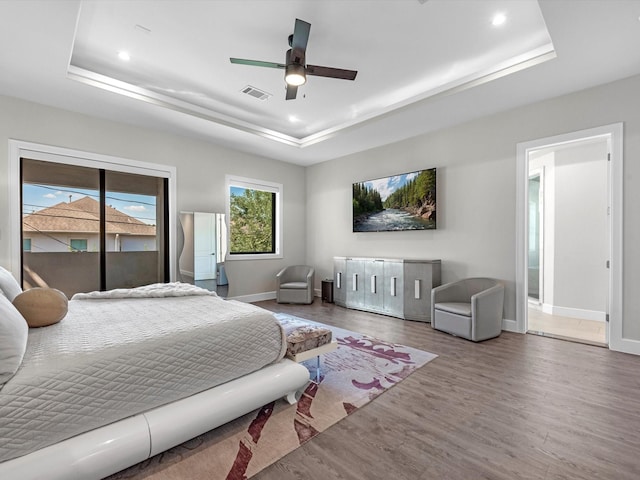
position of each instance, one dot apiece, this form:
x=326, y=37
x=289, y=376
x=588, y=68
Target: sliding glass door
x=135, y=236
x=87, y=229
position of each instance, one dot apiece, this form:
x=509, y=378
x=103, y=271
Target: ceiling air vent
x=255, y=92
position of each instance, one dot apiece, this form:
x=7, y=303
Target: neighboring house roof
x=83, y=216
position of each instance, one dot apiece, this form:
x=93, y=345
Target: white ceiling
x=421, y=65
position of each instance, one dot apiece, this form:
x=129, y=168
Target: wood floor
x=514, y=407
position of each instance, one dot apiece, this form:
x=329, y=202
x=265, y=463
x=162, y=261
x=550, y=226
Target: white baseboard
x=187, y=273
x=594, y=315
x=510, y=325
x=256, y=297
x=625, y=345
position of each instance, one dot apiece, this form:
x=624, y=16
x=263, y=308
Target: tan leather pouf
x=41, y=307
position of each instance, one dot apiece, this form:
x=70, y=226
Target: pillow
x=13, y=339
x=9, y=286
x=41, y=307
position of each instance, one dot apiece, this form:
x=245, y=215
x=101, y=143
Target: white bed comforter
x=156, y=290
x=111, y=358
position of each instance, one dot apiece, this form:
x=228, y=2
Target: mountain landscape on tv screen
x=400, y=202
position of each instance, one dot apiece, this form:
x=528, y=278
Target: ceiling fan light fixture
x=294, y=66
x=294, y=75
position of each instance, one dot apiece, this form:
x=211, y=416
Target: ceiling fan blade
x=257, y=63
x=291, y=92
x=300, y=35
x=331, y=72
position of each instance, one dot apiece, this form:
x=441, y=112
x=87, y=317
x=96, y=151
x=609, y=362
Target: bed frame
x=109, y=449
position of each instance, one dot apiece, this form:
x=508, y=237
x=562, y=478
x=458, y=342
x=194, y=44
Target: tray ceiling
x=422, y=65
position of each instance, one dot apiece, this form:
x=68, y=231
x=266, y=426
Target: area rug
x=358, y=371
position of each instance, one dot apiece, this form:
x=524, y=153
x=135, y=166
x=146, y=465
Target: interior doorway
x=568, y=235
x=568, y=246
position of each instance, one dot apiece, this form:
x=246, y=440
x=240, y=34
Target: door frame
x=614, y=132
x=538, y=172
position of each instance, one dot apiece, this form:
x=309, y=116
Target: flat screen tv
x=402, y=202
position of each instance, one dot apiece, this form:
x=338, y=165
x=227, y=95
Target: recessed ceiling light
x=498, y=19
x=124, y=56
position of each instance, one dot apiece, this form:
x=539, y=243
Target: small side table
x=327, y=290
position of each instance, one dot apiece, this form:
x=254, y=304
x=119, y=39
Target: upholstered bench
x=305, y=341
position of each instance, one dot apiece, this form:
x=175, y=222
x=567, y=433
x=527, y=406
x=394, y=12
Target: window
x=111, y=216
x=116, y=211
x=78, y=245
x=254, y=210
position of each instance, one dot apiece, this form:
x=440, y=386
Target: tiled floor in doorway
x=566, y=327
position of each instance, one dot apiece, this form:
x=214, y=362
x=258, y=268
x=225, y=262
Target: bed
x=130, y=373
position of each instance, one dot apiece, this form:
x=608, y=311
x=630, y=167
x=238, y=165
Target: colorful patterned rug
x=357, y=372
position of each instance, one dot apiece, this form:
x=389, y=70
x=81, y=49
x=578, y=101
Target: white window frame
x=19, y=149
x=254, y=184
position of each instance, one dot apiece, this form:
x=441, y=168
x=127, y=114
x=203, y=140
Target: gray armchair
x=470, y=308
x=295, y=284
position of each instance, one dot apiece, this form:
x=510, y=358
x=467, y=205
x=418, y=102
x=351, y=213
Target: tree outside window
x=254, y=221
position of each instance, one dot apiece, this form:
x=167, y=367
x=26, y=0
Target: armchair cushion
x=458, y=308
x=300, y=285
x=471, y=308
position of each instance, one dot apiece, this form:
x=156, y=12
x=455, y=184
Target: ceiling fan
x=295, y=68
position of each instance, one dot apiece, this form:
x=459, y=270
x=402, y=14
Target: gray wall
x=201, y=169
x=476, y=165
x=476, y=185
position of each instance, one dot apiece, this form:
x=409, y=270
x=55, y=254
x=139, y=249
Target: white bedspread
x=156, y=290
x=111, y=358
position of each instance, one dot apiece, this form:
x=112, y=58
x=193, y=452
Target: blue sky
x=237, y=191
x=37, y=197
x=386, y=186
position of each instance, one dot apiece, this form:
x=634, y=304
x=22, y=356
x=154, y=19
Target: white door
x=204, y=246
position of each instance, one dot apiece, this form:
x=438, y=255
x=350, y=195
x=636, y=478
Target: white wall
x=476, y=186
x=201, y=169
x=575, y=228
x=60, y=242
x=580, y=234
x=132, y=243
x=476, y=191
x=475, y=199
